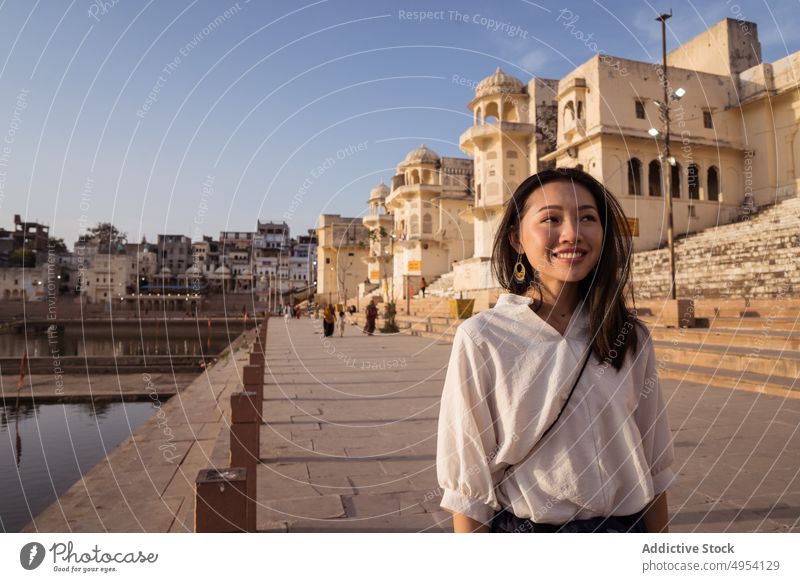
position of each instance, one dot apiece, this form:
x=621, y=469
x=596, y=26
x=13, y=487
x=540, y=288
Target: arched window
x=569, y=114
x=676, y=180
x=693, y=182
x=634, y=177
x=427, y=224
x=492, y=112
x=713, y=183
x=414, y=224
x=654, y=178
x=580, y=109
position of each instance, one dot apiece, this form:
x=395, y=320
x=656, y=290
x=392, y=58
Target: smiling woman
x=545, y=425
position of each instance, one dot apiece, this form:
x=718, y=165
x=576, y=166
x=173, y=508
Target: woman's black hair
x=611, y=323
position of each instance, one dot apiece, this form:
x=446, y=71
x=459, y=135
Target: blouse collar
x=579, y=322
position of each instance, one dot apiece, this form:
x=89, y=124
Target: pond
x=46, y=448
x=122, y=341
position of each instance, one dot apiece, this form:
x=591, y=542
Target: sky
x=193, y=117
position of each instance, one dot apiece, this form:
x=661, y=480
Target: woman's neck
x=559, y=299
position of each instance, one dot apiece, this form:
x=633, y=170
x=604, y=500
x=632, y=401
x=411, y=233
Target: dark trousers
x=506, y=522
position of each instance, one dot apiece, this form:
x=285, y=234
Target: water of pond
x=48, y=447
x=125, y=342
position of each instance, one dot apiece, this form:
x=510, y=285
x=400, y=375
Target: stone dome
x=379, y=192
x=498, y=83
x=421, y=155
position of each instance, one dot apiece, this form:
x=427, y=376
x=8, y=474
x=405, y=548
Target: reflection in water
x=128, y=342
x=61, y=443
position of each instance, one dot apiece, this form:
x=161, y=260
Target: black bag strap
x=560, y=412
x=575, y=383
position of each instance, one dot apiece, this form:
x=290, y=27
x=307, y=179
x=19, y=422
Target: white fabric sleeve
x=651, y=417
x=467, y=441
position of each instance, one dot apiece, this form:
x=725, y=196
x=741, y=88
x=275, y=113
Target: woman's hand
x=464, y=524
x=656, y=517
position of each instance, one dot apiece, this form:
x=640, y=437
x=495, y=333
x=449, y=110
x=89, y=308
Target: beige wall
x=343, y=244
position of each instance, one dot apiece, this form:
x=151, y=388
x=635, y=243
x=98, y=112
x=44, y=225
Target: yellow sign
x=414, y=266
x=633, y=224
x=374, y=275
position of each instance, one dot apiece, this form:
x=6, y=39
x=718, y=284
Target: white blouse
x=509, y=374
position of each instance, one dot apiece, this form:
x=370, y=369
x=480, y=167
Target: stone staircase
x=759, y=257
x=441, y=286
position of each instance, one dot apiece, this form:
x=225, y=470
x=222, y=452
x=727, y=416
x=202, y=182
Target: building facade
x=342, y=245
x=428, y=200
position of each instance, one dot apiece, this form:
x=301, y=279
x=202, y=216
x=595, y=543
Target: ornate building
x=381, y=242
x=428, y=198
x=513, y=126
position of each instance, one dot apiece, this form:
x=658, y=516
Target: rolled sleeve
x=653, y=422
x=662, y=480
x=459, y=503
x=466, y=440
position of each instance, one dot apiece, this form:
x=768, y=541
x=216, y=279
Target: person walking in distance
x=372, y=316
x=328, y=320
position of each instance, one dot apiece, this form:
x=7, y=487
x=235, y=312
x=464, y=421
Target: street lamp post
x=391, y=252
x=665, y=164
x=667, y=160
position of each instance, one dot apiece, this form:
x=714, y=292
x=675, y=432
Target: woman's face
x=559, y=218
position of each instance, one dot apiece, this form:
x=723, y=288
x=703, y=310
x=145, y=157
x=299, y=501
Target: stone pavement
x=350, y=439
x=350, y=435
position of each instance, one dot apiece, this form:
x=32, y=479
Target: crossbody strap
x=560, y=412
x=575, y=383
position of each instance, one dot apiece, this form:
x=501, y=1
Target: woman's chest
x=529, y=395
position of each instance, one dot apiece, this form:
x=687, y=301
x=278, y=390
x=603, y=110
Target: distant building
x=342, y=244
x=272, y=236
x=31, y=236
x=108, y=278
x=174, y=257
x=380, y=224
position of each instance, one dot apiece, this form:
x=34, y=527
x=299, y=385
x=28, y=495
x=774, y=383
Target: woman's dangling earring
x=519, y=271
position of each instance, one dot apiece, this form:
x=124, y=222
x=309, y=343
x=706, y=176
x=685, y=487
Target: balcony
x=476, y=135
x=574, y=129
x=411, y=191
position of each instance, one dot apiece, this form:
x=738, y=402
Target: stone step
x=780, y=340
x=748, y=381
x=763, y=309
x=751, y=324
x=739, y=359
x=445, y=336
